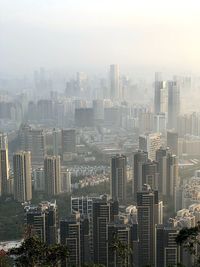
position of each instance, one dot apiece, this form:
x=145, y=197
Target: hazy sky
x=91, y=34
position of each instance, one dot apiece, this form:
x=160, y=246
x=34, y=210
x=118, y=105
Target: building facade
x=22, y=176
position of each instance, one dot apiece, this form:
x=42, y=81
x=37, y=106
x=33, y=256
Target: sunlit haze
x=90, y=34
x=100, y=133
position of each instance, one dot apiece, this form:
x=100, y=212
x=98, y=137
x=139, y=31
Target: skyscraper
x=160, y=123
x=37, y=145
x=121, y=232
x=158, y=76
x=173, y=104
x=4, y=164
x=52, y=175
x=146, y=120
x=86, y=255
x=150, y=143
x=38, y=178
x=4, y=171
x=118, y=178
x=84, y=205
x=172, y=142
x=149, y=175
x=55, y=135
x=43, y=221
x=33, y=140
x=161, y=158
x=68, y=139
x=45, y=110
x=103, y=213
x=24, y=137
x=66, y=181
x=139, y=158
x=70, y=232
x=82, y=82
x=98, y=108
x=22, y=176
x=167, y=250
x=114, y=82
x=168, y=172
x=161, y=95
x=184, y=125
x=149, y=210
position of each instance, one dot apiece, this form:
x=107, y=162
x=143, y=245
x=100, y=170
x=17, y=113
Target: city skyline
x=99, y=133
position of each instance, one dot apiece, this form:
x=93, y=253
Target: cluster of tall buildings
x=166, y=114
x=50, y=179
x=160, y=174
x=167, y=100
x=63, y=142
x=80, y=86
x=83, y=97
x=142, y=142
x=168, y=120
x=189, y=124
x=42, y=220
x=98, y=228
x=98, y=225
x=32, y=140
x=31, y=167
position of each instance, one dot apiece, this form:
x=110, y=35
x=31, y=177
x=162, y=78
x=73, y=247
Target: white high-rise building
x=150, y=143
x=161, y=95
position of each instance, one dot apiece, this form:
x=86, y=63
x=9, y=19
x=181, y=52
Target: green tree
x=34, y=253
x=121, y=250
x=189, y=239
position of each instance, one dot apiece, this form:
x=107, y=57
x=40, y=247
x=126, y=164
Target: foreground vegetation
x=189, y=240
x=11, y=220
x=34, y=253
